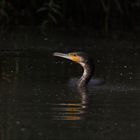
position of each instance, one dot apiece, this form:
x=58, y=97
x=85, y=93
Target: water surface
x=37, y=102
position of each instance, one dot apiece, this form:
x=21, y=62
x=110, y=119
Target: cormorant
x=85, y=61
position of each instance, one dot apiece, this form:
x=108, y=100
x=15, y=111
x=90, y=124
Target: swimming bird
x=85, y=61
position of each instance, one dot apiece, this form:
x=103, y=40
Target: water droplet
x=132, y=125
x=17, y=122
x=125, y=66
x=130, y=78
x=135, y=53
x=45, y=38
x=40, y=133
x=115, y=123
x=98, y=61
x=121, y=74
x=22, y=129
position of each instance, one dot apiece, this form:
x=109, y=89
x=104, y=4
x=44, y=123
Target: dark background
x=65, y=23
x=101, y=15
x=36, y=102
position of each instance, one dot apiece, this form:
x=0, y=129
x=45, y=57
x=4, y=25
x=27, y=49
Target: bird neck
x=87, y=74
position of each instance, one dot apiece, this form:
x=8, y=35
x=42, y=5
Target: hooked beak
x=69, y=56
x=63, y=55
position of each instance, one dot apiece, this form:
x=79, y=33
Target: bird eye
x=74, y=54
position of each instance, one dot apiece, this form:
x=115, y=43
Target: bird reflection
x=72, y=110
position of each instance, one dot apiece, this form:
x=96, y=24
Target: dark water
x=36, y=102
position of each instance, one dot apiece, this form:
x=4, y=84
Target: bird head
x=78, y=57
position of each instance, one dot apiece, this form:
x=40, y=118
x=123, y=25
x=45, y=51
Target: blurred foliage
x=100, y=14
x=51, y=12
x=107, y=10
x=5, y=7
